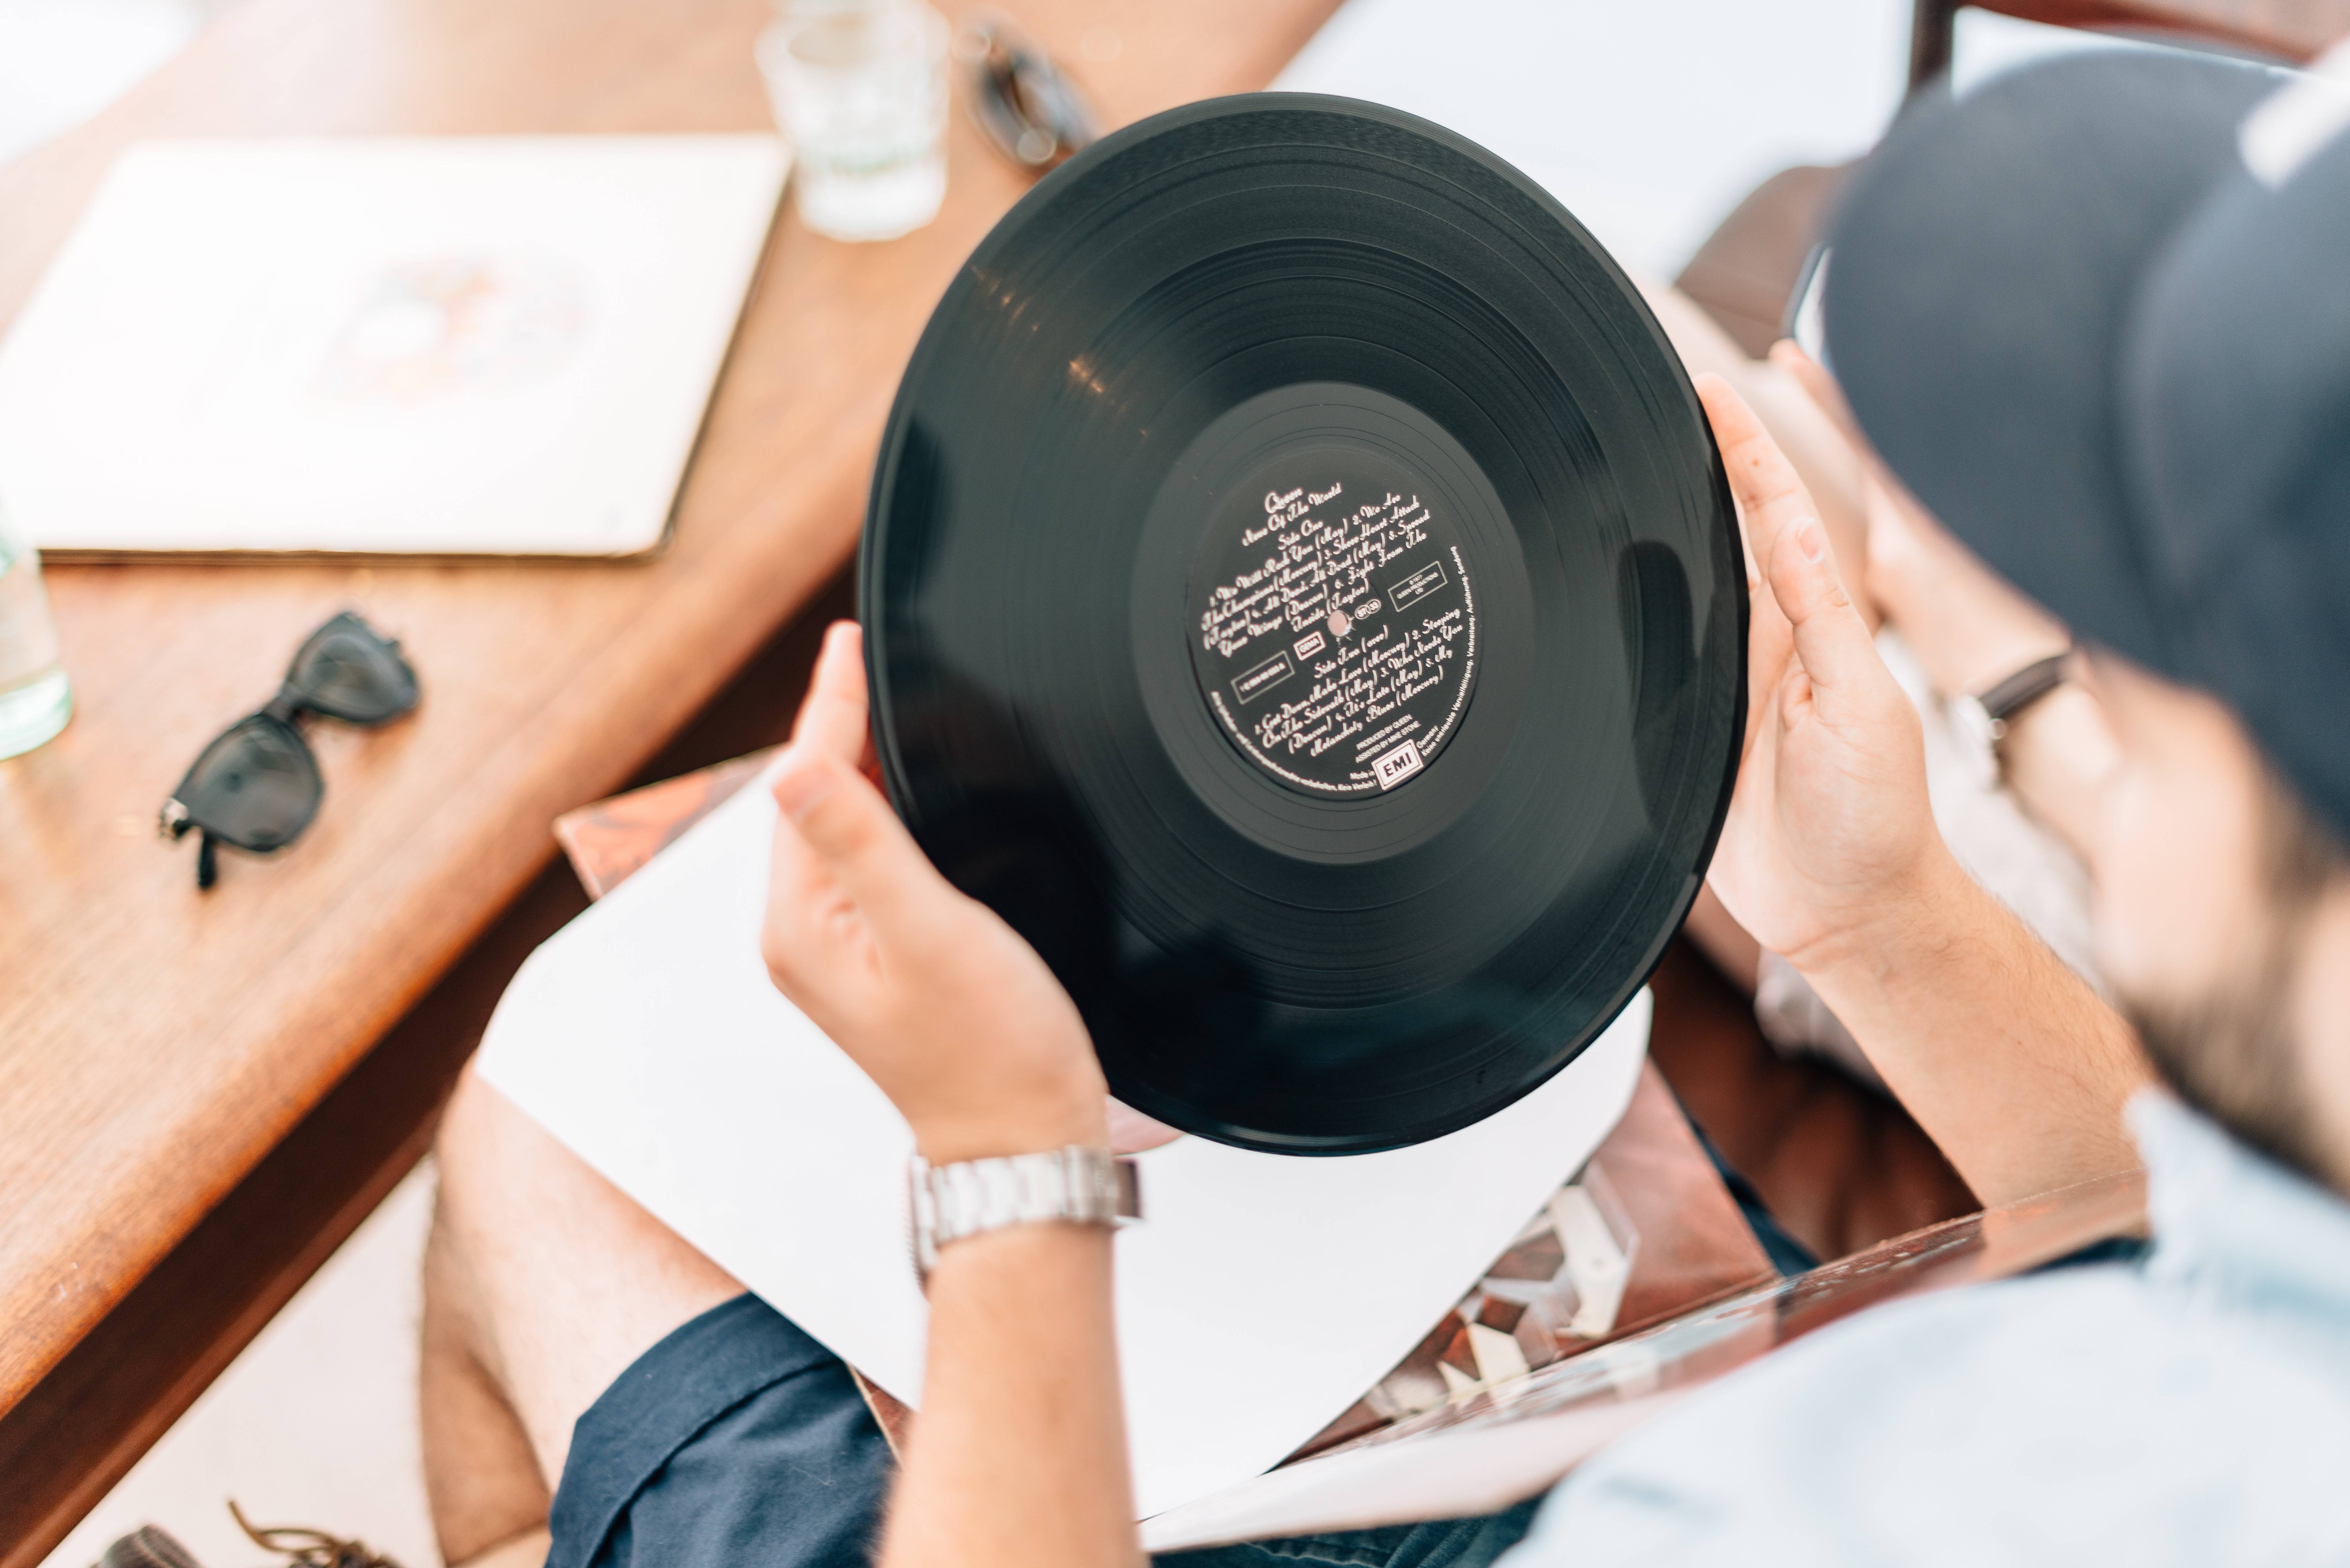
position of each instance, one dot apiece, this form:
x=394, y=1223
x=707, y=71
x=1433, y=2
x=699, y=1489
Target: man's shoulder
x=2089, y=1412
x=2066, y=1350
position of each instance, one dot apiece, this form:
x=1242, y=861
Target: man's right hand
x=1830, y=834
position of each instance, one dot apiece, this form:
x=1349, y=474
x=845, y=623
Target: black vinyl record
x=1302, y=596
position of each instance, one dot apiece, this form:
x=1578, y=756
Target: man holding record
x=2095, y=317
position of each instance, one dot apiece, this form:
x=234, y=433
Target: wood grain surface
x=75, y=1434
x=154, y=1043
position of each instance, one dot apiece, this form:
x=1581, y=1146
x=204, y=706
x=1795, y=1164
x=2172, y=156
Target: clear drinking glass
x=860, y=88
x=35, y=699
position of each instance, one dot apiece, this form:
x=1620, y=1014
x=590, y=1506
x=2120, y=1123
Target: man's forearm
x=2005, y=1056
x=1018, y=1458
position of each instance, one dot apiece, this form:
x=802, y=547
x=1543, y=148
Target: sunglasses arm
x=173, y=823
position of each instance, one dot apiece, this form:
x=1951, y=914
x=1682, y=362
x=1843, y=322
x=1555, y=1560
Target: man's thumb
x=854, y=835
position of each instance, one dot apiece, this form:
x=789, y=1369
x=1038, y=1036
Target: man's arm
x=1019, y=1455
x=1018, y=1458
x=2015, y=1067
x=1830, y=857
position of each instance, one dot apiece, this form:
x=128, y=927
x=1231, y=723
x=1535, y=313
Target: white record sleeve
x=1261, y=1295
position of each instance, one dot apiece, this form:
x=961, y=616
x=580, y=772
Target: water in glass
x=35, y=699
x=860, y=88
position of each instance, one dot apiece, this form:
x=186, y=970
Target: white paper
x=1262, y=1296
x=1648, y=120
x=494, y=345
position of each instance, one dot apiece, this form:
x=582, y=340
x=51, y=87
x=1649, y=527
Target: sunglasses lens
x=349, y=671
x=257, y=787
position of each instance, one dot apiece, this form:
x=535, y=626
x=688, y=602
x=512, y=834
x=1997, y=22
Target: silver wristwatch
x=1084, y=1186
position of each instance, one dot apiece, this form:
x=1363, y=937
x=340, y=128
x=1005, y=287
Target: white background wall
x=1648, y=118
x=63, y=60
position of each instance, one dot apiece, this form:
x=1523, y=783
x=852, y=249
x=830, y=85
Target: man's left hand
x=941, y=1003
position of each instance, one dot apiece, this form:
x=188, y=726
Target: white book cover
x=1260, y=1297
x=403, y=345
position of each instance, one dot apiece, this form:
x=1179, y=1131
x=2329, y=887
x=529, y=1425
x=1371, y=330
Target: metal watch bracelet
x=1079, y=1185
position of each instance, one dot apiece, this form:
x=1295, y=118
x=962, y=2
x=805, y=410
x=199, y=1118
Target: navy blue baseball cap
x=2096, y=316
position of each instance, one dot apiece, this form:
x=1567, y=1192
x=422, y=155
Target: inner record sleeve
x=1304, y=599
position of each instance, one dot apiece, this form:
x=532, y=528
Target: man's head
x=2097, y=316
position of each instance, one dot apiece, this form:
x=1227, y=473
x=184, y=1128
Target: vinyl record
x=1302, y=596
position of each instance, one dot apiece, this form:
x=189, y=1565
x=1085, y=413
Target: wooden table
x=156, y=1045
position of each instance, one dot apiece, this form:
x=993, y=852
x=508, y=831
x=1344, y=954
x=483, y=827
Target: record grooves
x=1302, y=595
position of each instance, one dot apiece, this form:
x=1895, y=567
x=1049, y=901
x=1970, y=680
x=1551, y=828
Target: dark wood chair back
x=2291, y=30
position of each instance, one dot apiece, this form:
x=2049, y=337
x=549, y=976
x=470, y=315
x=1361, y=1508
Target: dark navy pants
x=738, y=1440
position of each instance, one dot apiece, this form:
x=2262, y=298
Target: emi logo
x=1398, y=764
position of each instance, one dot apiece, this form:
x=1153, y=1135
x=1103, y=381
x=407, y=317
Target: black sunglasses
x=257, y=787
x=1028, y=107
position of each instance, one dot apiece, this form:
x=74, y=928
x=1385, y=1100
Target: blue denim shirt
x=2193, y=1407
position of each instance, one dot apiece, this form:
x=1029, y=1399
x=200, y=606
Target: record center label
x=1335, y=628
